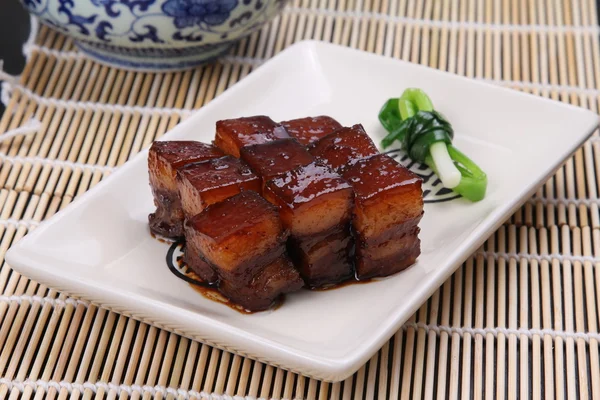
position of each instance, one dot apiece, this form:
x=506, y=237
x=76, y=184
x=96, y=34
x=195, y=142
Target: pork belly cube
x=271, y=159
x=233, y=134
x=266, y=286
x=196, y=262
x=316, y=204
x=310, y=129
x=325, y=261
x=164, y=159
x=203, y=184
x=238, y=235
x=344, y=147
x=311, y=199
x=388, y=197
x=387, y=258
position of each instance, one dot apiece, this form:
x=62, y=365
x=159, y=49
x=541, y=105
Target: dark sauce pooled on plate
x=211, y=293
x=341, y=284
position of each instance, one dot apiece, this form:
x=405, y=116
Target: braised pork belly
x=274, y=158
x=344, y=147
x=316, y=205
x=274, y=207
x=164, y=159
x=240, y=237
x=203, y=184
x=324, y=260
x=313, y=201
x=265, y=287
x=234, y=134
x=388, y=208
x=310, y=129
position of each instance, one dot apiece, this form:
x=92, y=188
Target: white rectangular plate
x=99, y=247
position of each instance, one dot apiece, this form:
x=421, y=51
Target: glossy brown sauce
x=211, y=293
x=339, y=285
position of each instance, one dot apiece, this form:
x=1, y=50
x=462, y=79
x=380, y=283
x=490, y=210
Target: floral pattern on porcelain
x=198, y=12
x=155, y=23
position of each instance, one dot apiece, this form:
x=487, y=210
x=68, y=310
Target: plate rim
x=337, y=368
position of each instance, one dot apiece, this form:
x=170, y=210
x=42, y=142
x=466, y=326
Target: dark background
x=14, y=31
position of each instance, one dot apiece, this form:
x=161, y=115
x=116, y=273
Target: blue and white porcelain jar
x=155, y=35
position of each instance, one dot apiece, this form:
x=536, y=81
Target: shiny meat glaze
x=243, y=241
x=311, y=199
x=233, y=134
x=238, y=234
x=164, y=158
x=265, y=215
x=310, y=129
x=344, y=147
x=178, y=153
x=316, y=205
x=274, y=158
x=203, y=184
x=388, y=208
x=386, y=195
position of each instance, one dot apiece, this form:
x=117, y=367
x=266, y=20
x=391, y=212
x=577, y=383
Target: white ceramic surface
x=99, y=247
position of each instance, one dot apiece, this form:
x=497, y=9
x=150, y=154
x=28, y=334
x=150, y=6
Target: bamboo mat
x=518, y=320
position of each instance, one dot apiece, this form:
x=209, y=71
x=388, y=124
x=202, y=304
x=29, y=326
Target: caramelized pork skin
x=316, y=204
x=164, y=159
x=271, y=159
x=233, y=134
x=310, y=129
x=203, y=184
x=344, y=147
